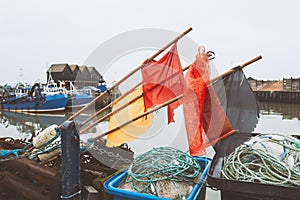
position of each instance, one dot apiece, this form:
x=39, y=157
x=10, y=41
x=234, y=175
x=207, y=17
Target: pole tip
x=251, y=61
x=188, y=30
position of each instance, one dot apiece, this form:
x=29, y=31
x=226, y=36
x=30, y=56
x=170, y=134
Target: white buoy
x=45, y=136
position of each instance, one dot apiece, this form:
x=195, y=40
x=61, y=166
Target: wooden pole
x=121, y=108
x=110, y=114
x=227, y=73
x=130, y=91
x=233, y=70
x=110, y=104
x=250, y=61
x=131, y=73
x=138, y=117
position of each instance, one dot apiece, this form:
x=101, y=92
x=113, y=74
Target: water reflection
x=274, y=118
x=279, y=118
x=287, y=111
x=30, y=123
x=26, y=125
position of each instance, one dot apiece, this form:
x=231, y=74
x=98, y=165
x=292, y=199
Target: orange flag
x=196, y=78
x=203, y=113
x=162, y=81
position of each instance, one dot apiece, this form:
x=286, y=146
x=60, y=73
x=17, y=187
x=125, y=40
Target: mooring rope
x=261, y=165
x=163, y=163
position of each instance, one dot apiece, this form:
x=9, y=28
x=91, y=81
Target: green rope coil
x=297, y=144
x=159, y=164
x=260, y=166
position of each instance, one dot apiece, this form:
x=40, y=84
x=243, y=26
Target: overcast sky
x=35, y=34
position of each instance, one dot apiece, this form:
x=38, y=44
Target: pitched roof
x=91, y=69
x=57, y=67
x=73, y=67
x=82, y=68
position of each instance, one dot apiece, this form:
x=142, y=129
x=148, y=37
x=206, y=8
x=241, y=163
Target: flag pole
x=110, y=114
x=118, y=99
x=138, y=117
x=130, y=74
x=110, y=104
x=250, y=61
x=234, y=69
x=227, y=73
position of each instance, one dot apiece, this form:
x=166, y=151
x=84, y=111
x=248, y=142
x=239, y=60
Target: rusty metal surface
x=22, y=187
x=10, y=143
x=31, y=170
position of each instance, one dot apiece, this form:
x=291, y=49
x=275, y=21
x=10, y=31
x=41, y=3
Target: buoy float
x=45, y=136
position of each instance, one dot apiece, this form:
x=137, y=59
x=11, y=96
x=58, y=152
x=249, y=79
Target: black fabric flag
x=241, y=107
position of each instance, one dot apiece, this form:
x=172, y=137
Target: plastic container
x=237, y=190
x=111, y=186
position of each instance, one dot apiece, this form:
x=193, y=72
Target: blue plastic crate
x=111, y=185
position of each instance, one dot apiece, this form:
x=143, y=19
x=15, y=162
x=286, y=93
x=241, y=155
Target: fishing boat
x=76, y=97
x=79, y=98
x=106, y=98
x=34, y=101
x=22, y=89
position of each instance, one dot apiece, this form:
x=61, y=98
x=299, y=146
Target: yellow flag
x=132, y=130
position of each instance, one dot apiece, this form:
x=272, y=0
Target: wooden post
x=70, y=162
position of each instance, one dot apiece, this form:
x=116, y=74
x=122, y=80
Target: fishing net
x=165, y=172
x=269, y=159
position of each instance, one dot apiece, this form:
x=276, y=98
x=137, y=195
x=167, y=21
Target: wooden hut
x=79, y=76
x=95, y=76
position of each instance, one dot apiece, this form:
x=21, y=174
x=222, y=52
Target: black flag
x=241, y=107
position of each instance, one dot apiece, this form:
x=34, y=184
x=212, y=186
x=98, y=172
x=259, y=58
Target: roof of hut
x=82, y=68
x=73, y=67
x=91, y=69
x=57, y=67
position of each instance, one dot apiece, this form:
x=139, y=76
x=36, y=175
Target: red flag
x=162, y=81
x=203, y=112
x=196, y=78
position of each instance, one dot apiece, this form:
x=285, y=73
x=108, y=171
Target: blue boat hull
x=50, y=103
x=79, y=100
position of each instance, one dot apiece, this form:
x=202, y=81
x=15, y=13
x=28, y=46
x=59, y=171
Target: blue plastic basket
x=111, y=185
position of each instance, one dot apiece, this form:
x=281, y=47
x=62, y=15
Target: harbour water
x=274, y=118
x=279, y=118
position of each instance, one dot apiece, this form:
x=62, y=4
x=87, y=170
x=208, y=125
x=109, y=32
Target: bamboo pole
x=131, y=73
x=227, y=73
x=138, y=117
x=110, y=104
x=212, y=80
x=121, y=97
x=234, y=69
x=250, y=61
x=110, y=114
